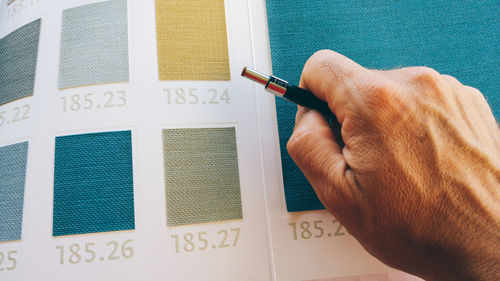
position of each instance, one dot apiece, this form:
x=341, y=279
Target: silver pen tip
x=254, y=75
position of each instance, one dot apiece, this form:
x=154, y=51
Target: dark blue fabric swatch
x=459, y=38
x=13, y=159
x=93, y=183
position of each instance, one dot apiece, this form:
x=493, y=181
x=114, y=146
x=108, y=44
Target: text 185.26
x=90, y=252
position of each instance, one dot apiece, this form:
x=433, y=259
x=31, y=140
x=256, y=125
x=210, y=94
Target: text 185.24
x=194, y=96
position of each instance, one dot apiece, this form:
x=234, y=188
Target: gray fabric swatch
x=94, y=44
x=13, y=159
x=18, y=55
x=201, y=175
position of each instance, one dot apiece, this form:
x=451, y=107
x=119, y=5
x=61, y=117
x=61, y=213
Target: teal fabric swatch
x=94, y=44
x=201, y=175
x=18, y=57
x=459, y=38
x=13, y=160
x=93, y=183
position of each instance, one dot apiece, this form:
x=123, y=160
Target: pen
x=285, y=90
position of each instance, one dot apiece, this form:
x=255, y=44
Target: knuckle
x=382, y=100
x=474, y=92
x=426, y=76
x=379, y=90
x=477, y=96
x=450, y=79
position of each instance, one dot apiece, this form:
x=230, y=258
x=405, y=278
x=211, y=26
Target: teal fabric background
x=94, y=44
x=459, y=38
x=93, y=183
x=18, y=57
x=13, y=159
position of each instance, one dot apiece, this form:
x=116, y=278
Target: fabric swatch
x=192, y=40
x=94, y=44
x=201, y=175
x=18, y=56
x=93, y=183
x=459, y=38
x=13, y=159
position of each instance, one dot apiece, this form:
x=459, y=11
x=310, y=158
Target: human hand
x=418, y=180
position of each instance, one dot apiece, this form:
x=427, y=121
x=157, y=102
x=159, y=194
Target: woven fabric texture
x=18, y=57
x=192, y=40
x=201, y=175
x=13, y=159
x=93, y=183
x=459, y=38
x=94, y=44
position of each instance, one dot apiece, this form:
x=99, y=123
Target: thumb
x=313, y=147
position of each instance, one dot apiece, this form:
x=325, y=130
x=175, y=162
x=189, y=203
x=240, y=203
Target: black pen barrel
x=308, y=99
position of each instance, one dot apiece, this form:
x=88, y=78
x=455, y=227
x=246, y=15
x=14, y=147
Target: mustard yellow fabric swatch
x=192, y=40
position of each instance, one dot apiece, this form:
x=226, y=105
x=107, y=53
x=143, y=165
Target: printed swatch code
x=458, y=38
x=93, y=183
x=94, y=44
x=201, y=175
x=192, y=40
x=13, y=160
x=18, y=56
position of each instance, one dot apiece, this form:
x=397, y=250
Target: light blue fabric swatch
x=94, y=44
x=93, y=183
x=18, y=57
x=459, y=38
x=13, y=160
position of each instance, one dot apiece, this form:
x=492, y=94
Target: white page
x=265, y=250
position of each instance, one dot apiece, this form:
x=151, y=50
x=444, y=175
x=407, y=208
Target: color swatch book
x=131, y=148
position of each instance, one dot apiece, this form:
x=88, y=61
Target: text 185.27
x=201, y=241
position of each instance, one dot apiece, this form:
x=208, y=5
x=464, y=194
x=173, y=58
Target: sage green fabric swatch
x=201, y=175
x=18, y=56
x=94, y=44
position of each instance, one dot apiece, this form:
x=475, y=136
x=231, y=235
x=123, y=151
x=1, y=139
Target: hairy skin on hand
x=418, y=180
